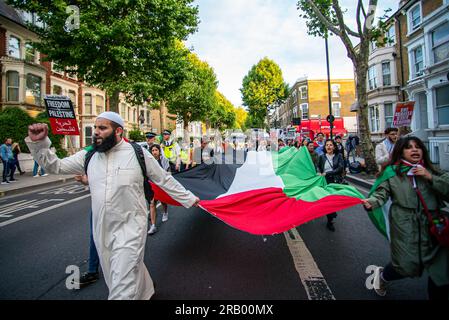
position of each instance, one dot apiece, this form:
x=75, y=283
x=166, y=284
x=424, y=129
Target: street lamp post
x=331, y=122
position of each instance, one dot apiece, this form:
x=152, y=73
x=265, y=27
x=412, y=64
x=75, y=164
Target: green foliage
x=136, y=135
x=241, y=116
x=120, y=45
x=253, y=122
x=14, y=122
x=262, y=87
x=314, y=25
x=222, y=116
x=193, y=100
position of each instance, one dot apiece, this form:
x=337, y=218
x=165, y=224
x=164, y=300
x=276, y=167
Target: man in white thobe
x=119, y=207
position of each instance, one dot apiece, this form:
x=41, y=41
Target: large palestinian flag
x=271, y=192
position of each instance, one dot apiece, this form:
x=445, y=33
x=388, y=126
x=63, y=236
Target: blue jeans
x=94, y=260
x=36, y=166
x=9, y=167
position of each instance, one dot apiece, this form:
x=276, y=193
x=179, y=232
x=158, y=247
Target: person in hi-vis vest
x=171, y=150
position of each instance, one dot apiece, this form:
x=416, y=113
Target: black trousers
x=333, y=215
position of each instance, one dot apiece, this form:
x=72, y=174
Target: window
x=303, y=92
x=336, y=91
x=57, y=90
x=391, y=36
x=336, y=109
x=14, y=47
x=440, y=43
x=388, y=112
x=442, y=105
x=372, y=83
x=305, y=111
x=374, y=118
x=295, y=112
x=87, y=103
x=99, y=102
x=30, y=53
x=12, y=83
x=148, y=117
x=33, y=90
x=129, y=114
x=414, y=18
x=418, y=62
x=72, y=96
x=386, y=73
x=134, y=115
x=88, y=136
x=372, y=46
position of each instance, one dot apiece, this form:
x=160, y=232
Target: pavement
x=27, y=182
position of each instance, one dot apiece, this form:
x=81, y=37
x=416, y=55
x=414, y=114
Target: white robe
x=120, y=211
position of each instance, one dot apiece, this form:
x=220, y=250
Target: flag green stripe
x=297, y=171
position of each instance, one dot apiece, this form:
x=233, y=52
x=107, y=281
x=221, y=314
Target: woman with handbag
x=331, y=166
x=419, y=230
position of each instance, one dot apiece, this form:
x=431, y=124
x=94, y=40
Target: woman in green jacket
x=413, y=249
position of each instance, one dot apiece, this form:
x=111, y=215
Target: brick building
x=26, y=78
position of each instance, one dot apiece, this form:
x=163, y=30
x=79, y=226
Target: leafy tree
x=262, y=86
x=325, y=17
x=14, y=122
x=240, y=118
x=136, y=135
x=196, y=95
x=222, y=116
x=119, y=45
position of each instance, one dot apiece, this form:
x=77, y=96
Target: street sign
x=403, y=114
x=330, y=118
x=62, y=115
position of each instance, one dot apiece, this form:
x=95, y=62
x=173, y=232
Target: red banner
x=403, y=114
x=62, y=115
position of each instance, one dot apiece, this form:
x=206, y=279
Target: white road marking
x=71, y=189
x=30, y=204
x=311, y=277
x=26, y=216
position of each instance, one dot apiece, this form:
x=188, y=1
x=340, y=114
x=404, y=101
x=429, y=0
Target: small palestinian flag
x=269, y=193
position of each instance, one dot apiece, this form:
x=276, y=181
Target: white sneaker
x=164, y=216
x=36, y=176
x=379, y=284
x=153, y=229
x=5, y=182
x=44, y=175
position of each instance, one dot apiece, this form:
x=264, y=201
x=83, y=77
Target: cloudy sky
x=234, y=35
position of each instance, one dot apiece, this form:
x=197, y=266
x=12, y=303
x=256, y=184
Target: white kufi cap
x=112, y=116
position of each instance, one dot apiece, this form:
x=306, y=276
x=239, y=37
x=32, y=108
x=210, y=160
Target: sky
x=233, y=35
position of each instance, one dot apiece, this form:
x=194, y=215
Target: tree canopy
x=261, y=88
x=195, y=97
x=119, y=45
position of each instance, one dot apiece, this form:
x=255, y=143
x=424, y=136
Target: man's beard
x=107, y=144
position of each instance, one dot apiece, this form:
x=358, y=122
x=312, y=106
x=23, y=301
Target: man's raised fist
x=37, y=131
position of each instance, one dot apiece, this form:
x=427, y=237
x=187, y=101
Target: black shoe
x=87, y=278
x=330, y=226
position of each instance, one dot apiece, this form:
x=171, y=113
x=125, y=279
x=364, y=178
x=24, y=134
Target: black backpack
x=140, y=158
